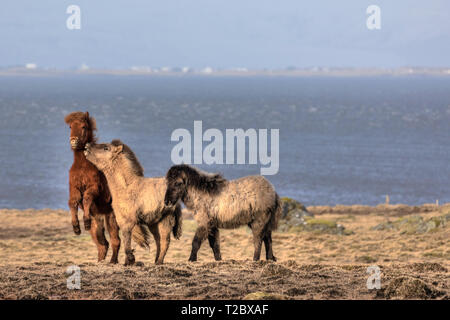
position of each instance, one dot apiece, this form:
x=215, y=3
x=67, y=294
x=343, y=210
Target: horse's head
x=176, y=179
x=103, y=154
x=82, y=128
x=182, y=177
x=115, y=156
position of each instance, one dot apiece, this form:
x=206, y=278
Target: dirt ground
x=37, y=246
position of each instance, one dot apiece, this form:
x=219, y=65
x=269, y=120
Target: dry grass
x=37, y=246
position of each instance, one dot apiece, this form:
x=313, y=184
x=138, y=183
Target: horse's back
x=241, y=198
x=151, y=193
x=255, y=187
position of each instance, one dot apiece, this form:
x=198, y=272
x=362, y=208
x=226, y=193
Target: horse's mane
x=211, y=183
x=131, y=157
x=84, y=117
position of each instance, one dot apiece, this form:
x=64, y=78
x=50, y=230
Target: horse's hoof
x=129, y=261
x=274, y=259
x=87, y=225
x=192, y=259
x=77, y=230
x=115, y=261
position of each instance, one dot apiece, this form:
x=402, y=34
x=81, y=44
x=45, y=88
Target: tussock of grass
x=410, y=288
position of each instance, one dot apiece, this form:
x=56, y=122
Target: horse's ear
x=68, y=119
x=116, y=142
x=119, y=148
x=184, y=177
x=87, y=115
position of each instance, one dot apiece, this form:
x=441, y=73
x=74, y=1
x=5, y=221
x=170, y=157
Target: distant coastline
x=168, y=71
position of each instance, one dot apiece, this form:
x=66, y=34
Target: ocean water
x=342, y=140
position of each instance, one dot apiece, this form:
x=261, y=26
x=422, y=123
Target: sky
x=254, y=34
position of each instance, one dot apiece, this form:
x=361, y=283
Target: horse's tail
x=141, y=235
x=275, y=213
x=177, y=228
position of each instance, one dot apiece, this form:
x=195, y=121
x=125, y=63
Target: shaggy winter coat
x=88, y=189
x=219, y=203
x=137, y=201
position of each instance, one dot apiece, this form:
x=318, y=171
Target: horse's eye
x=84, y=127
x=106, y=148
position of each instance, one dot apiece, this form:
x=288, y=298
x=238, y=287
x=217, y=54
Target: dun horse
x=89, y=191
x=219, y=203
x=136, y=200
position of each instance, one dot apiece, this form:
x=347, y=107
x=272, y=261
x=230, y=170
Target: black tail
x=177, y=228
x=275, y=213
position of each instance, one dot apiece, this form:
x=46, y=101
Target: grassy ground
x=36, y=247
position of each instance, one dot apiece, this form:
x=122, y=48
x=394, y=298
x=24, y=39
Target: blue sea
x=343, y=140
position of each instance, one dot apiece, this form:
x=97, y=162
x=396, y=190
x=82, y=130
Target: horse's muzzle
x=74, y=142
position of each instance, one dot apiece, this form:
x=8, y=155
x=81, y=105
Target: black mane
x=211, y=183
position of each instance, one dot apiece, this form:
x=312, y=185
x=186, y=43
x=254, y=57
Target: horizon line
x=34, y=69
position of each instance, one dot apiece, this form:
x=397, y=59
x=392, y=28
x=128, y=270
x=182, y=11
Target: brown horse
x=89, y=189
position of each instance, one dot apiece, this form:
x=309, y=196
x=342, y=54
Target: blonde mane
x=129, y=155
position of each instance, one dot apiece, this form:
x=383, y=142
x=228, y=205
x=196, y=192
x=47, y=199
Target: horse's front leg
x=126, y=234
x=214, y=242
x=74, y=200
x=113, y=230
x=88, y=199
x=200, y=235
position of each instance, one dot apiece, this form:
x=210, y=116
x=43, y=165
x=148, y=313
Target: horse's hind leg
x=113, y=230
x=268, y=244
x=87, y=203
x=214, y=242
x=98, y=235
x=258, y=235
